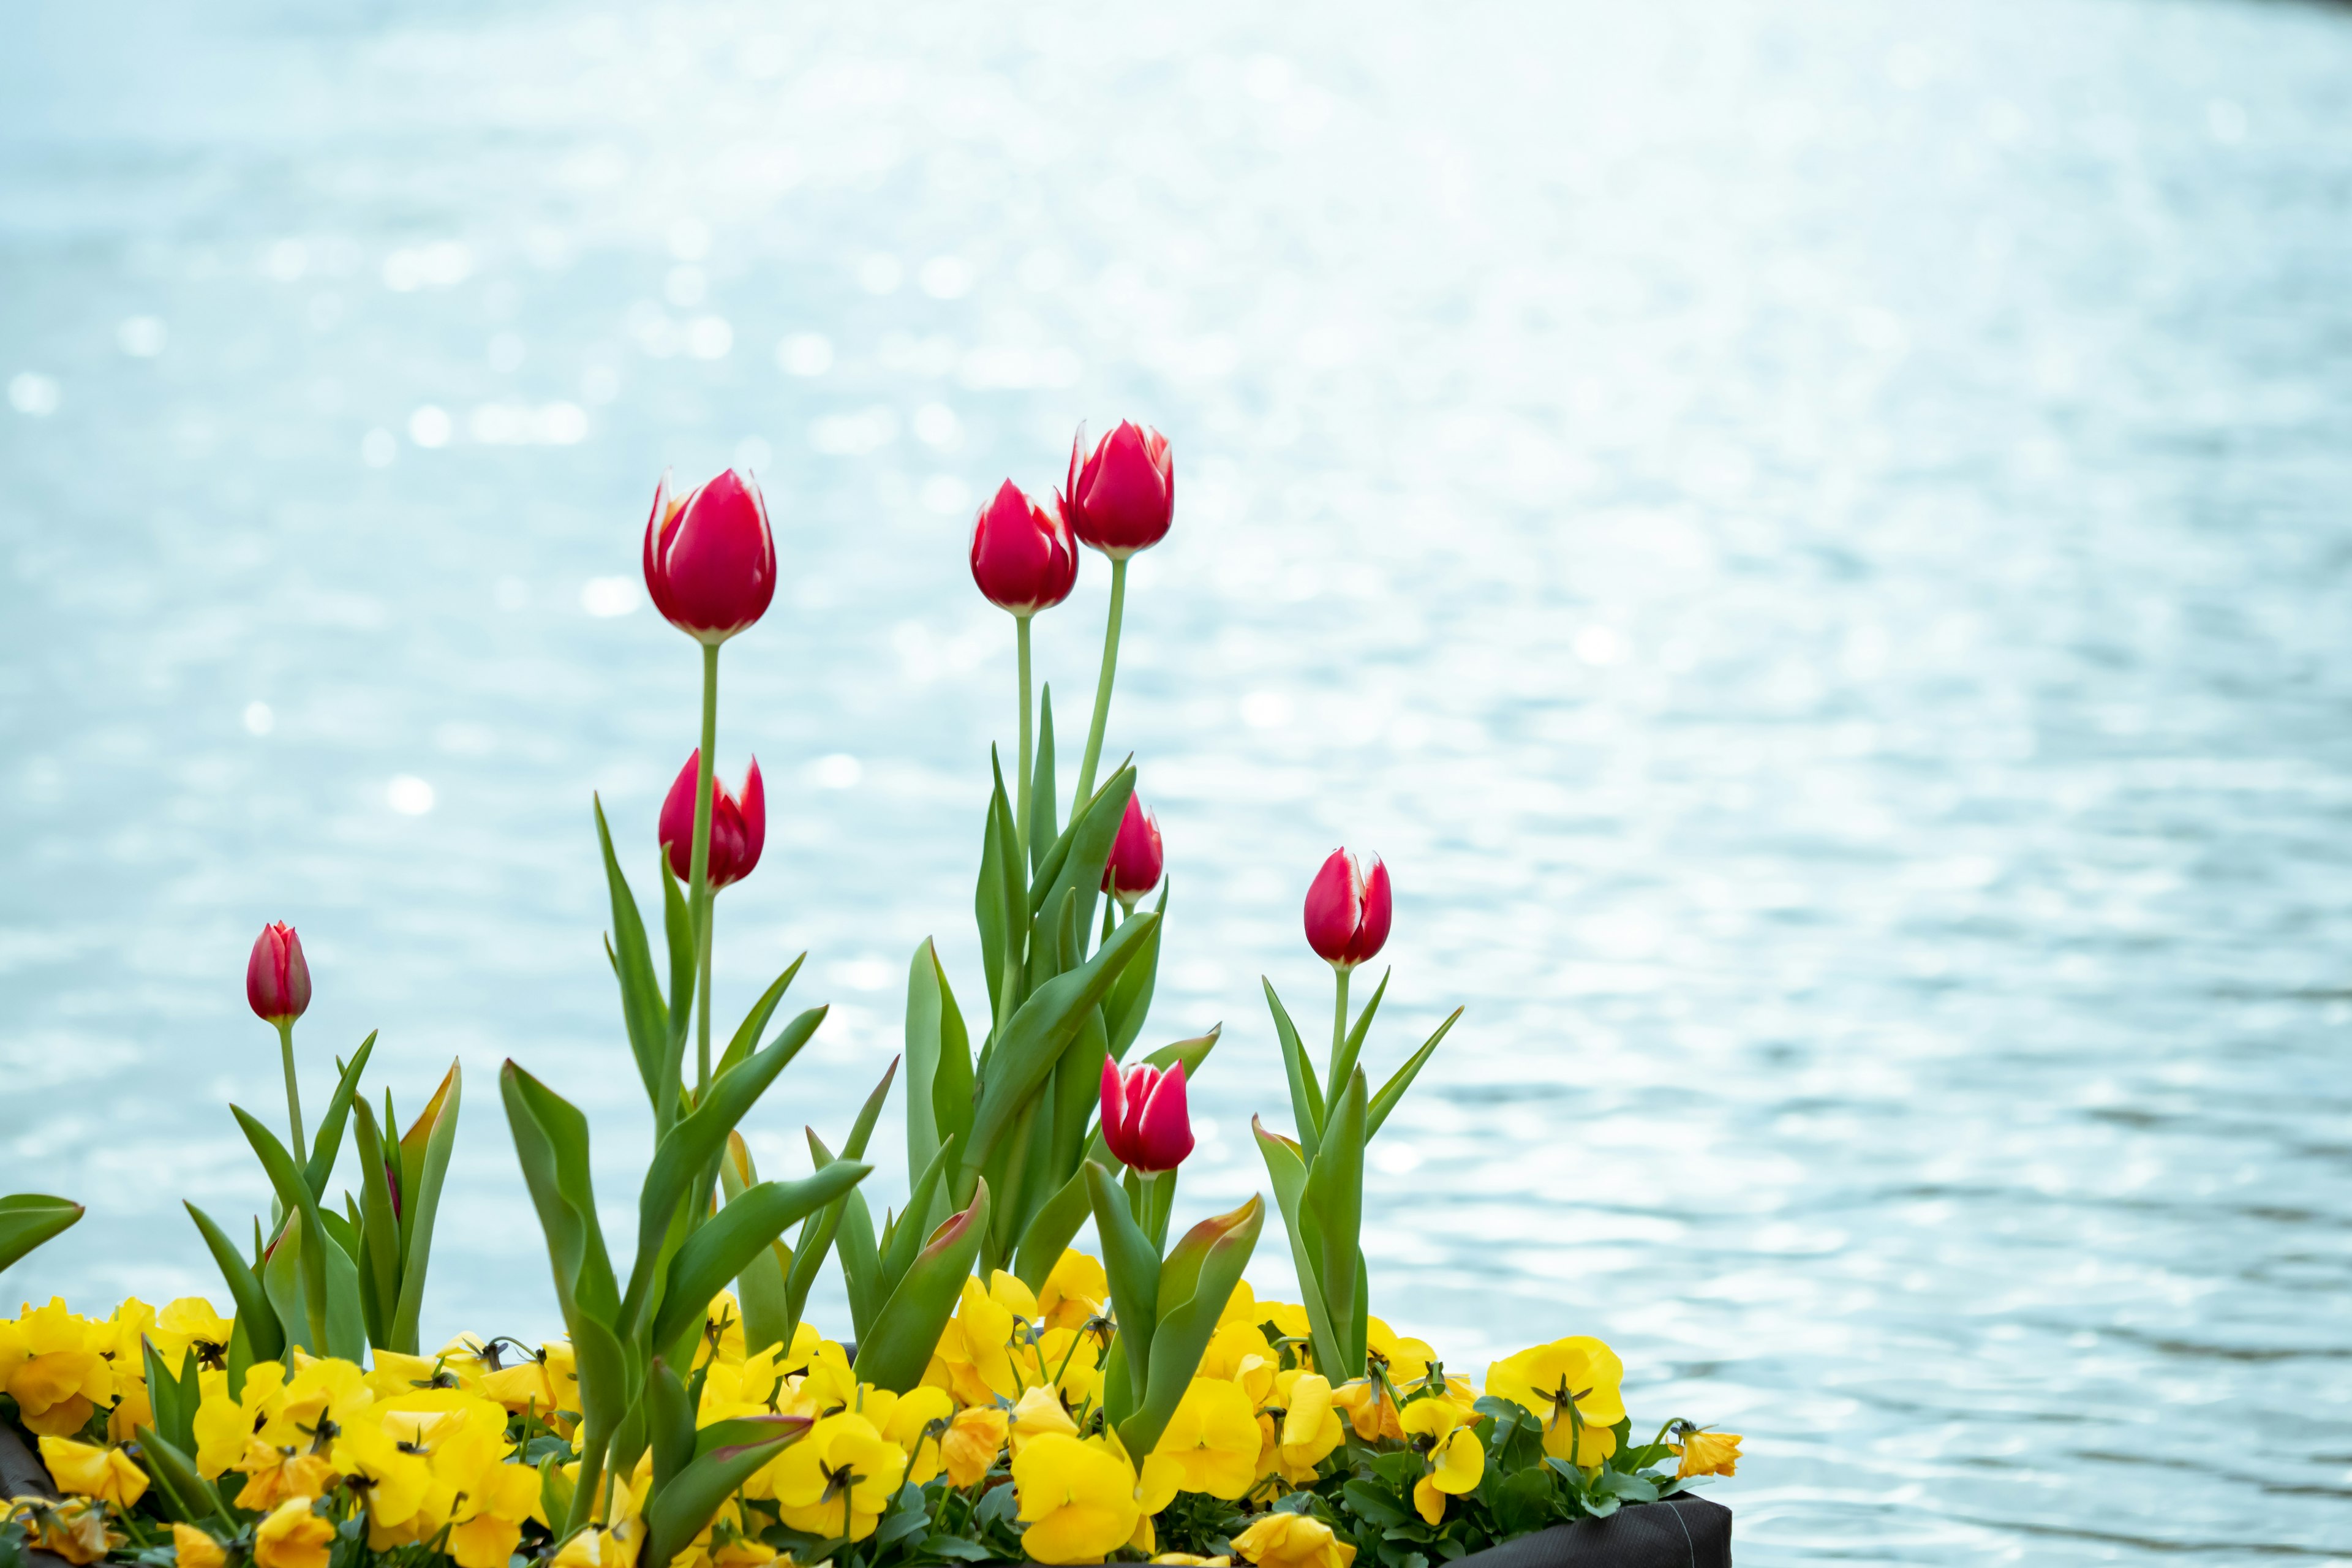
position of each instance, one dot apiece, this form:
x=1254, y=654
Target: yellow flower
x=979, y=1348
x=324, y=1395
x=60, y=1373
x=1292, y=1541
x=973, y=1442
x=109, y=1475
x=1193, y=1562
x=1456, y=1459
x=1290, y=1320
x=491, y=1496
x=130, y=1412
x=837, y=1479
x=1211, y=1444
x=189, y=1324
x=75, y=1529
x=1704, y=1452
x=395, y=1373
x=390, y=1471
x=1406, y=1359
x=1077, y=1500
x=195, y=1549
x=1073, y=1358
x=292, y=1537
x=915, y=1422
x=1308, y=1430
x=1038, y=1413
x=1074, y=1293
x=722, y=1331
x=1234, y=1344
x=1571, y=1386
x=224, y=1425
x=275, y=1474
x=830, y=1384
x=1242, y=1306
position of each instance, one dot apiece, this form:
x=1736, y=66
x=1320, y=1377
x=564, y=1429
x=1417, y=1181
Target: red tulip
x=1021, y=555
x=1136, y=858
x=1144, y=1119
x=1123, y=496
x=710, y=562
x=276, y=980
x=738, y=824
x=1347, y=911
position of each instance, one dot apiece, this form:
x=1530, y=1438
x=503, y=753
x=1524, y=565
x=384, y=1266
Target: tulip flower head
x=1144, y=1118
x=1021, y=555
x=710, y=560
x=738, y=824
x=1347, y=911
x=1136, y=858
x=1122, y=496
x=276, y=980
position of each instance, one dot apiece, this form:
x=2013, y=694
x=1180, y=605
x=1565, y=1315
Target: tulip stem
x=699, y=868
x=1339, y=1038
x=1102, y=686
x=293, y=1090
x=1020, y=817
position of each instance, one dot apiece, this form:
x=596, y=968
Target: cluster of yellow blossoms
x=430, y=1449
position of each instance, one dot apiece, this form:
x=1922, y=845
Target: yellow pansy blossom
x=837, y=1479
x=916, y=1421
x=1456, y=1459
x=987, y=1338
x=1037, y=1414
x=1234, y=1344
x=324, y=1395
x=130, y=1412
x=490, y=1495
x=292, y=1537
x=273, y=1474
x=225, y=1425
x=1074, y=1293
x=60, y=1372
x=1281, y=1540
x=1210, y=1444
x=973, y=1440
x=75, y=1529
x=194, y=1547
x=1705, y=1453
x=391, y=1472
x=1571, y=1384
x=1300, y=1429
x=1077, y=1500
x=722, y=1331
x=189, y=1324
x=1073, y=1359
x=109, y=1475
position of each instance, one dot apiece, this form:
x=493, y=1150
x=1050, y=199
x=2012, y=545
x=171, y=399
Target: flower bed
x=1008, y=1397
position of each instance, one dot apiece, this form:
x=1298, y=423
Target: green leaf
x=817, y=1240
x=925, y=993
x=173, y=1399
x=760, y=1283
x=677, y=934
x=29, y=1219
x=861, y=1263
x=1129, y=1001
x=641, y=1008
x=690, y=1151
x=256, y=1317
x=669, y=1423
x=897, y=1353
x=1086, y=847
x=1335, y=1198
x=755, y=1022
x=1393, y=1090
x=1051, y=1230
x=1132, y=1263
x=1306, y=1097
x=1287, y=1170
x=906, y=1238
x=379, y=1233
x=1037, y=1035
x=1042, y=790
x=425, y=1151
x=1344, y=1062
x=329, y=1140
x=1076, y=1096
x=1193, y=1053
x=745, y=1228
x=1195, y=1283
x=315, y=1278
x=169, y=1463
x=1000, y=901
x=676, y=1513
x=552, y=1143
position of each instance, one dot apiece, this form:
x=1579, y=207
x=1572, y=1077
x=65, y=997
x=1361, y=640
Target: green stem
x=1102, y=686
x=583, y=1490
x=1339, y=1038
x=699, y=868
x=1020, y=817
x=293, y=1090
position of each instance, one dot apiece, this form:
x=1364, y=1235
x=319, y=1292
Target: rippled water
x=1815, y=539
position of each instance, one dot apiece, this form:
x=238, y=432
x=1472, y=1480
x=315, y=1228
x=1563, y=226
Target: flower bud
x=277, y=979
x=710, y=560
x=1347, y=911
x=1122, y=496
x=1136, y=858
x=738, y=824
x=1022, y=555
x=1144, y=1119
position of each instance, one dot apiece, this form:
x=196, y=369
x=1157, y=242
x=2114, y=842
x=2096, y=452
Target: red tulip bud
x=1021, y=555
x=276, y=980
x=738, y=824
x=1144, y=1119
x=1122, y=497
x=710, y=562
x=1347, y=911
x=1136, y=858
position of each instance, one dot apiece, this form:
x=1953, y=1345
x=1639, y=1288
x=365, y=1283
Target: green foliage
x=29, y=1219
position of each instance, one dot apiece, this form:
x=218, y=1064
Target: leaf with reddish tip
x=898, y=1350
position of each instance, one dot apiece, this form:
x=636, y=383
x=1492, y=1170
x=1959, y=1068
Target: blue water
x=1813, y=537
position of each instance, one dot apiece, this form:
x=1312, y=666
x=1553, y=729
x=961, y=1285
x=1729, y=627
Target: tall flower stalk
x=1119, y=498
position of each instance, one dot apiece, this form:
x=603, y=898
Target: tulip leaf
x=424, y=1150
x=1195, y=1283
x=1037, y=1035
x=1090, y=836
x=677, y=934
x=755, y=1022
x=552, y=1143
x=669, y=1423
x=1305, y=1097
x=176, y=1473
x=861, y=1263
x=1132, y=1263
x=379, y=1233
x=1077, y=1092
x=1042, y=828
x=1288, y=1171
x=720, y=1249
x=906, y=1239
x=641, y=1008
x=1193, y=1053
x=29, y=1219
x=311, y=1281
x=817, y=1237
x=686, y=1155
x=760, y=1283
x=1393, y=1090
x=1051, y=1230
x=898, y=1352
x=1344, y=1061
x=173, y=1399
x=743, y=1429
x=329, y=1141
x=1001, y=900
x=1129, y=1001
x=1334, y=1197
x=256, y=1317
x=679, y=1512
